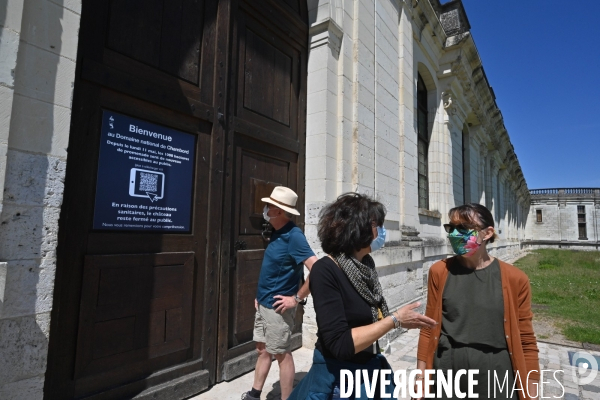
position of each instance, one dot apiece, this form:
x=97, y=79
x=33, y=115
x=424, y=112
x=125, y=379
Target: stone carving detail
x=409, y=234
x=424, y=21
x=447, y=99
x=450, y=22
x=450, y=109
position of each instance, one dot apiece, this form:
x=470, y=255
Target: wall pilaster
x=38, y=50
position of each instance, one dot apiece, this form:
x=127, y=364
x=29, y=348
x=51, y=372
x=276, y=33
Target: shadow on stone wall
x=458, y=180
x=31, y=200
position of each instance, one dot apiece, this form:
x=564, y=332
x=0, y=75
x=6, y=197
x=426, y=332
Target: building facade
x=102, y=297
x=563, y=218
x=399, y=107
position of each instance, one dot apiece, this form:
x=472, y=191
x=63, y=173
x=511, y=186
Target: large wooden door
x=139, y=312
x=133, y=308
x=266, y=136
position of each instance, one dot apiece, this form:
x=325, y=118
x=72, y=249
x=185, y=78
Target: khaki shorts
x=274, y=329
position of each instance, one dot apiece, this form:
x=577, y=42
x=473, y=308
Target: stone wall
x=560, y=216
x=37, y=70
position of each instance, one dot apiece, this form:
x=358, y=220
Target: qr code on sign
x=148, y=182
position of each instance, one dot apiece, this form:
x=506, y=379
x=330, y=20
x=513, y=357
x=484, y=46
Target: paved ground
x=403, y=356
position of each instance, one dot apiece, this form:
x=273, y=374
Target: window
x=498, y=204
x=466, y=167
x=423, y=143
x=538, y=214
x=581, y=222
x=582, y=232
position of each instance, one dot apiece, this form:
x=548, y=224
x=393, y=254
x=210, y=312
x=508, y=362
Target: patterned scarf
x=366, y=282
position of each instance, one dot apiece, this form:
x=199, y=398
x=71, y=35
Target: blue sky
x=542, y=59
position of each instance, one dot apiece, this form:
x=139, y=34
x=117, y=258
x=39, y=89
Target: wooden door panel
x=268, y=78
x=259, y=168
x=294, y=5
x=258, y=174
x=266, y=129
x=134, y=308
x=245, y=282
x=112, y=337
x=164, y=34
x=113, y=360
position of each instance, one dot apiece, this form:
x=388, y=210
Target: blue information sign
x=145, y=176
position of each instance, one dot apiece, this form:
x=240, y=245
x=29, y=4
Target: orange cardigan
x=518, y=329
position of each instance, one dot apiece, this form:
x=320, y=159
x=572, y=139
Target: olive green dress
x=472, y=334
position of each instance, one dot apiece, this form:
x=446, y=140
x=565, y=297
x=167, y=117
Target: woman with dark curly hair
x=348, y=299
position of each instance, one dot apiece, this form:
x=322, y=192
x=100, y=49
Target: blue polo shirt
x=281, y=268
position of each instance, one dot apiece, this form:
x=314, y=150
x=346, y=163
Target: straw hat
x=284, y=198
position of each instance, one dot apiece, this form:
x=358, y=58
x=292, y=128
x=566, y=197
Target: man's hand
x=256, y=304
x=284, y=303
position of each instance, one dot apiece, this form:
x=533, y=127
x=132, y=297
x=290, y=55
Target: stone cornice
x=465, y=90
x=326, y=32
x=423, y=14
x=479, y=134
x=565, y=194
x=452, y=16
x=466, y=65
x=483, y=150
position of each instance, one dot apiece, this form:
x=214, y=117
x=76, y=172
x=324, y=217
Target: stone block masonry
x=567, y=218
x=37, y=71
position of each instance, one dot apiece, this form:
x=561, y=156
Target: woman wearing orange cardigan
x=483, y=309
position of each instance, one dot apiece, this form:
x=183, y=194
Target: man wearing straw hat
x=279, y=291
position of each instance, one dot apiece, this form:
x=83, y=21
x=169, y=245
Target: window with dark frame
x=581, y=223
x=466, y=167
x=423, y=143
x=538, y=214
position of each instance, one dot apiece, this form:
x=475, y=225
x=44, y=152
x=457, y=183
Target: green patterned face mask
x=464, y=242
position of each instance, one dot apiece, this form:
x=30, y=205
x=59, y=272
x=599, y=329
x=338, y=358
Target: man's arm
x=305, y=290
x=283, y=303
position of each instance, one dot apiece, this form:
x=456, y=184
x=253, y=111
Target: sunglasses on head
x=460, y=228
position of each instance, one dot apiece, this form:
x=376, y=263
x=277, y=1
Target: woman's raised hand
x=411, y=319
